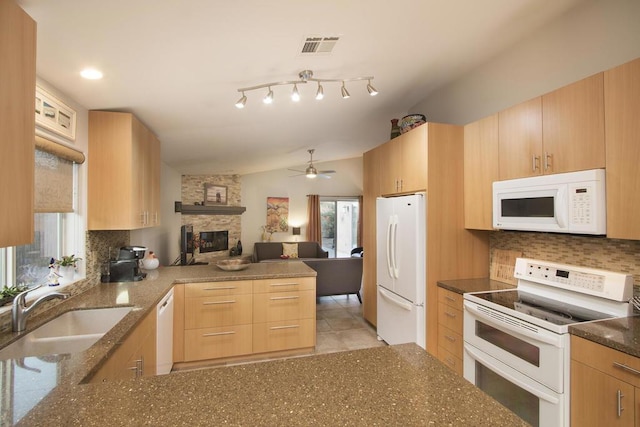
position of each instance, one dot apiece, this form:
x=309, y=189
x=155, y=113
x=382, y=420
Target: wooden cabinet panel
x=573, y=127
x=214, y=311
x=371, y=191
x=604, y=359
x=403, y=162
x=284, y=335
x=277, y=306
x=284, y=284
x=520, y=140
x=454, y=363
x=450, y=298
x=205, y=289
x=17, y=125
x=450, y=341
x=594, y=398
x=212, y=343
x=481, y=169
x=123, y=184
x=622, y=109
x=450, y=318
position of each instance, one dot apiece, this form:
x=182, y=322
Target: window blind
x=54, y=176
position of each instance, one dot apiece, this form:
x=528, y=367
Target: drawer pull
x=215, y=334
x=279, y=298
x=285, y=284
x=448, y=298
x=231, y=301
x=626, y=368
x=221, y=288
x=450, y=338
x=273, y=328
x=452, y=315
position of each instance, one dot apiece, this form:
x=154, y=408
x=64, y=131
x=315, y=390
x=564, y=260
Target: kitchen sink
x=71, y=332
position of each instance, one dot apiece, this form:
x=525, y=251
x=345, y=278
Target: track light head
x=320, y=92
x=345, y=92
x=295, y=95
x=242, y=101
x=269, y=98
x=372, y=90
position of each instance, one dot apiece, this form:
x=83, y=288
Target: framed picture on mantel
x=54, y=115
x=215, y=194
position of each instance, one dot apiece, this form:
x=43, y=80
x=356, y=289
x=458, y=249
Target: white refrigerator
x=401, y=275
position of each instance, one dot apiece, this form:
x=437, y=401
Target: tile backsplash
x=587, y=251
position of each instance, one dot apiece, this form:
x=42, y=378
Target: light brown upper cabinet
x=403, y=165
x=520, y=140
x=622, y=110
x=124, y=173
x=562, y=131
x=480, y=170
x=17, y=124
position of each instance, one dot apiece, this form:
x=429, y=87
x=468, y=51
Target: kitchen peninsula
x=397, y=385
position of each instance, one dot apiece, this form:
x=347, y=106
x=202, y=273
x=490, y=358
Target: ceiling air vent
x=318, y=45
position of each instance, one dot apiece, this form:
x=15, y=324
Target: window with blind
x=54, y=201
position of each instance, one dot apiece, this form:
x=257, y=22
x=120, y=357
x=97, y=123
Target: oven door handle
x=536, y=392
x=505, y=328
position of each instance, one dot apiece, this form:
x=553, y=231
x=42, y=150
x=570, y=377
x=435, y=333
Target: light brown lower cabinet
x=216, y=320
x=135, y=357
x=605, y=386
x=450, y=344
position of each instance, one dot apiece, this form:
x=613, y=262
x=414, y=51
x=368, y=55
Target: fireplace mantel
x=211, y=210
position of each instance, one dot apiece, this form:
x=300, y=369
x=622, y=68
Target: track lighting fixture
x=305, y=76
x=345, y=92
x=242, y=101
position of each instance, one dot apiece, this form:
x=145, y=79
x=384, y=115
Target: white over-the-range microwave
x=573, y=202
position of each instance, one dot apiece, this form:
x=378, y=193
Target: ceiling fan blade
x=327, y=171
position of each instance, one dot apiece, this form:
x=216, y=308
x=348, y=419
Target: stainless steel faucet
x=20, y=311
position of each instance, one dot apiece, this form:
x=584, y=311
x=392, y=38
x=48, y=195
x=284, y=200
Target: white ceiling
x=178, y=64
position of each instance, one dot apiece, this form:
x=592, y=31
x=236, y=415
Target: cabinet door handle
x=284, y=284
x=280, y=298
x=620, y=408
x=452, y=315
x=547, y=163
x=231, y=301
x=448, y=298
x=215, y=334
x=535, y=163
x=273, y=328
x=219, y=288
x=626, y=368
x=450, y=338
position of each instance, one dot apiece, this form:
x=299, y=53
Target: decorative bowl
x=411, y=121
x=233, y=264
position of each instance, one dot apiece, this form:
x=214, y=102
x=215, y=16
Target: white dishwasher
x=164, y=335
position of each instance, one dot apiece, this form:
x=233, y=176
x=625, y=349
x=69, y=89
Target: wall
x=347, y=181
x=595, y=36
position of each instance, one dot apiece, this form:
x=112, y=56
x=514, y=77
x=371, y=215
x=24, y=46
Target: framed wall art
x=55, y=115
x=215, y=194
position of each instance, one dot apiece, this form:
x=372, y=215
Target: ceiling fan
x=311, y=171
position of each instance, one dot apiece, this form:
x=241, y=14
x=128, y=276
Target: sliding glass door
x=339, y=220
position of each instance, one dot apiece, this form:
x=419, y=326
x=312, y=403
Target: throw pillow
x=290, y=250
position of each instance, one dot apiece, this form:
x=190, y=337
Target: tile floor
x=340, y=325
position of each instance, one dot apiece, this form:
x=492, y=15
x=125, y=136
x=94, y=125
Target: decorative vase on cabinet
x=395, y=129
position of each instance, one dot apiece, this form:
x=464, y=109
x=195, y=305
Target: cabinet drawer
x=214, y=311
x=450, y=317
x=454, y=363
x=284, y=284
x=450, y=341
x=285, y=335
x=211, y=343
x=611, y=362
x=450, y=298
x=276, y=306
x=194, y=290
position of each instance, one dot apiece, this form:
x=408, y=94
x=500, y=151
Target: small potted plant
x=8, y=293
x=67, y=266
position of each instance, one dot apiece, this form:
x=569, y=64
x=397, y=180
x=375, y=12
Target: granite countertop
x=622, y=334
x=399, y=385
x=462, y=286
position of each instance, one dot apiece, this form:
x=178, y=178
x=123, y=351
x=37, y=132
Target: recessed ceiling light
x=91, y=74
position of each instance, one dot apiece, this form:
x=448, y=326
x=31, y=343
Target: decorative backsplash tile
x=586, y=251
